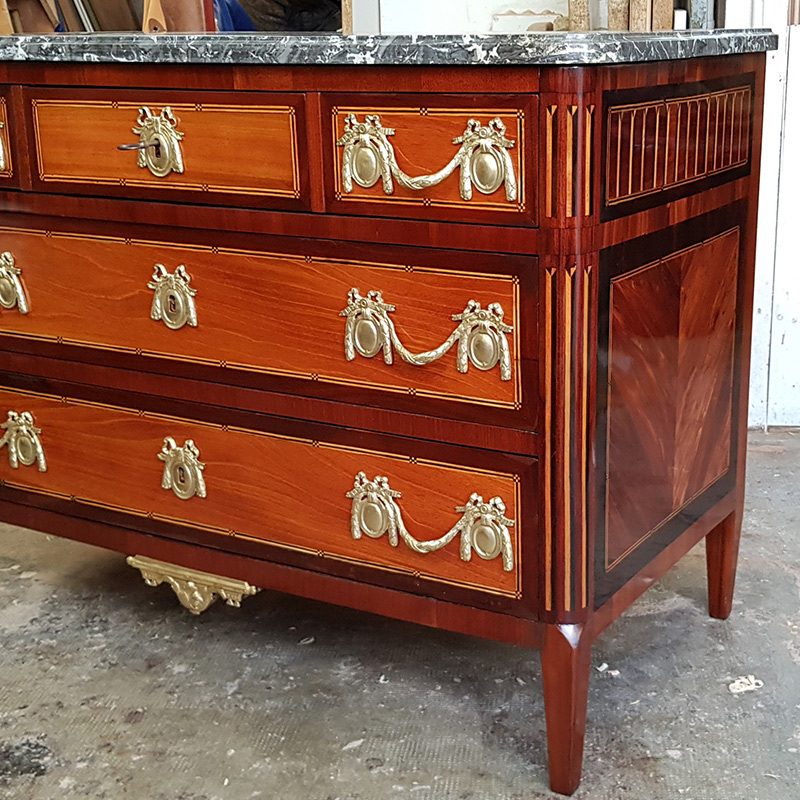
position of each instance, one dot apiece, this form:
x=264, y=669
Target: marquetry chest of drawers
x=471, y=351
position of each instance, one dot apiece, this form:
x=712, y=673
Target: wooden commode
x=452, y=329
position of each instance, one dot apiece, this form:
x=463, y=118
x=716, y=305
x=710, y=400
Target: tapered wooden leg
x=566, y=661
x=722, y=555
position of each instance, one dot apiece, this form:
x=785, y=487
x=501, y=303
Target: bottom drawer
x=438, y=522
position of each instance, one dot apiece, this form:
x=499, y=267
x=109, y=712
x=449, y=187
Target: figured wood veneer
x=633, y=244
x=671, y=352
x=108, y=456
x=8, y=164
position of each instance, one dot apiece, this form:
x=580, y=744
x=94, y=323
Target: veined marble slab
x=462, y=49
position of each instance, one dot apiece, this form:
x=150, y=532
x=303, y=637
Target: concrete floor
x=109, y=689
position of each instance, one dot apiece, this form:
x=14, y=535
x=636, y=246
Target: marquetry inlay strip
x=568, y=324
x=6, y=166
x=551, y=161
x=657, y=145
x=568, y=161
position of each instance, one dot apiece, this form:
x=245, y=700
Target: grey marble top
x=464, y=49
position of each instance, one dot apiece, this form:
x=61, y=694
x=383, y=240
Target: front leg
x=566, y=662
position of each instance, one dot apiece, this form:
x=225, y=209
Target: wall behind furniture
x=775, y=369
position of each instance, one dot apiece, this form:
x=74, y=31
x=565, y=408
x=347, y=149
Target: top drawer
x=236, y=149
x=449, y=157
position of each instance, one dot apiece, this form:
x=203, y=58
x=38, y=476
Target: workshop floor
x=109, y=689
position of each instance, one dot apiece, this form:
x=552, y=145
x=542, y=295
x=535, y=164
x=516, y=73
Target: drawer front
x=449, y=335
x=196, y=148
x=321, y=499
x=457, y=158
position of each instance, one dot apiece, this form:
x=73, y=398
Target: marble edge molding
x=429, y=49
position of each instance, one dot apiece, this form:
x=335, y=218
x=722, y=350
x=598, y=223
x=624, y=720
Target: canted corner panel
x=236, y=149
x=655, y=146
x=569, y=135
x=433, y=521
x=672, y=334
x=436, y=157
x=567, y=366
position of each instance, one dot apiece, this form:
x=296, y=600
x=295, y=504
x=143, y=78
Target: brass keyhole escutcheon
x=183, y=470
x=159, y=146
x=173, y=301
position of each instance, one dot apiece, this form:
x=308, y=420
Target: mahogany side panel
x=667, y=435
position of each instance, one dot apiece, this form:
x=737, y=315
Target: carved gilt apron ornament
x=483, y=526
x=183, y=470
x=12, y=292
x=195, y=590
x=159, y=145
x=173, y=301
x=483, y=159
x=21, y=437
x=481, y=335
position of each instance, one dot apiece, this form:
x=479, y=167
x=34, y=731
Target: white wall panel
x=784, y=376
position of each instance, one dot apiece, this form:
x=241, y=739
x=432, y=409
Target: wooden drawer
x=243, y=149
x=445, y=157
x=294, y=494
x=291, y=321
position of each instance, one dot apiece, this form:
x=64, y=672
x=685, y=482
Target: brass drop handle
x=159, y=145
x=183, y=470
x=483, y=526
x=12, y=292
x=481, y=335
x=482, y=159
x=21, y=437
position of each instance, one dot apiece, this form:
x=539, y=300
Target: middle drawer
x=402, y=334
